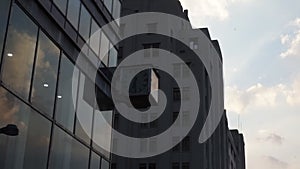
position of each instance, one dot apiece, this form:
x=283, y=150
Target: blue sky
x=260, y=42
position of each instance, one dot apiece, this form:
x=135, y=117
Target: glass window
x=30, y=148
x=19, y=53
x=104, y=49
x=113, y=57
x=85, y=23
x=73, y=12
x=177, y=147
x=102, y=132
x=186, y=165
x=85, y=106
x=45, y=75
x=4, y=10
x=66, y=152
x=117, y=9
x=62, y=5
x=176, y=94
x=152, y=166
x=104, y=164
x=95, y=37
x=108, y=4
x=65, y=107
x=95, y=161
x=143, y=166
x=175, y=166
x=186, y=144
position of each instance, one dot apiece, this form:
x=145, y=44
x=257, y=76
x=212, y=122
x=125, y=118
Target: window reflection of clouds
x=30, y=148
x=21, y=42
x=45, y=74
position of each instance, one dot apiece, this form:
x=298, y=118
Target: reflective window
x=113, y=57
x=95, y=37
x=95, y=161
x=62, y=5
x=73, y=12
x=45, y=74
x=67, y=153
x=102, y=130
x=116, y=9
x=85, y=106
x=19, y=53
x=4, y=10
x=85, y=23
x=65, y=107
x=104, y=164
x=30, y=148
x=108, y=4
x=104, y=49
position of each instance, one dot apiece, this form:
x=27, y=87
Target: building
x=40, y=41
x=216, y=153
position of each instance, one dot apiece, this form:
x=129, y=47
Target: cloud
x=292, y=41
x=238, y=100
x=275, y=163
x=209, y=8
x=273, y=138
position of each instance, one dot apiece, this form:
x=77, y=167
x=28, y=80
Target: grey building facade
x=188, y=154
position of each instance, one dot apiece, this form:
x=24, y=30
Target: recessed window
x=186, y=165
x=186, y=144
x=95, y=37
x=45, y=75
x=176, y=94
x=19, y=53
x=104, y=49
x=153, y=50
x=152, y=27
x=152, y=166
x=175, y=165
x=143, y=166
x=95, y=161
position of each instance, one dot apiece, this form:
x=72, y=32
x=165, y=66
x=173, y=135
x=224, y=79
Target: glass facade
x=37, y=91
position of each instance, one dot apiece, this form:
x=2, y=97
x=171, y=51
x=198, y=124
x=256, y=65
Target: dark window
x=19, y=53
x=66, y=152
x=4, y=9
x=67, y=91
x=62, y=5
x=186, y=165
x=116, y=121
x=73, y=12
x=175, y=166
x=176, y=148
x=30, y=148
x=104, y=164
x=176, y=94
x=113, y=166
x=152, y=166
x=143, y=166
x=85, y=23
x=95, y=161
x=45, y=75
x=186, y=144
x=175, y=116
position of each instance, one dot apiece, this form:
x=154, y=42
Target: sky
x=260, y=43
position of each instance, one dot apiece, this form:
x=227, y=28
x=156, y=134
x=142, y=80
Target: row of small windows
x=89, y=30
x=176, y=165
x=38, y=72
